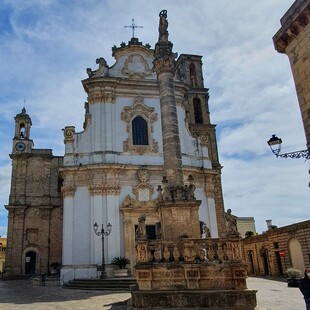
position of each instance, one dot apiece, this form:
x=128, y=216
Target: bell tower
x=21, y=141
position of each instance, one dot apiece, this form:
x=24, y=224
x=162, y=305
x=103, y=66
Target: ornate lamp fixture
x=275, y=145
x=102, y=233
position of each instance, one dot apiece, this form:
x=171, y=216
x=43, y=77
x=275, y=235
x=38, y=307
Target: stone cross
x=133, y=26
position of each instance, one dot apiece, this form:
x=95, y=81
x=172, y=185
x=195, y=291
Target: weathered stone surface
x=190, y=299
x=293, y=40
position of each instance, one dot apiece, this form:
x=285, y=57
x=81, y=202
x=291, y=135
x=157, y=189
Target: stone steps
x=111, y=284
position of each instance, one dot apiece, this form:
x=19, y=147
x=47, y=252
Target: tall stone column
x=164, y=63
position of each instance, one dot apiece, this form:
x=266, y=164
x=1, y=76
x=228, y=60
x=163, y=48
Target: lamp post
x=275, y=145
x=102, y=233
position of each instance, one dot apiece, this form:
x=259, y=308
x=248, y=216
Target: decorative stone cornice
x=293, y=23
x=133, y=43
x=130, y=203
x=99, y=91
x=102, y=189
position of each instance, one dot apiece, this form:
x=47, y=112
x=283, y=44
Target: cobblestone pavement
x=21, y=295
x=276, y=295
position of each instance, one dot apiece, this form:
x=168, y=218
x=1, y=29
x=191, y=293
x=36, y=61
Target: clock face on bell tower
x=20, y=146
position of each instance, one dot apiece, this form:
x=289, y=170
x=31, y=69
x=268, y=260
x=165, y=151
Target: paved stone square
x=21, y=295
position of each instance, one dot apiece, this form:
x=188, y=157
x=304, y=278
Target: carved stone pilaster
x=68, y=191
x=96, y=189
x=112, y=190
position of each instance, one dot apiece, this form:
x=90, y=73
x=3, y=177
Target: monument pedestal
x=193, y=300
x=189, y=273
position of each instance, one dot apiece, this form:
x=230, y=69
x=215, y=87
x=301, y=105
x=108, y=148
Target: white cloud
x=47, y=45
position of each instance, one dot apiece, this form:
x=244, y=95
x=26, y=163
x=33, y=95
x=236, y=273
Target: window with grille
x=139, y=131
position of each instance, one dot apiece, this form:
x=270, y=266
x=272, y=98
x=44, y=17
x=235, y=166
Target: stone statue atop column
x=163, y=26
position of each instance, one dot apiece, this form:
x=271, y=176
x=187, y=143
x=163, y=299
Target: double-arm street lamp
x=102, y=233
x=275, y=145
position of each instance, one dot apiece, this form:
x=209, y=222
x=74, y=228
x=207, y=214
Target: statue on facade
x=141, y=229
x=128, y=201
x=231, y=223
x=101, y=71
x=191, y=188
x=206, y=231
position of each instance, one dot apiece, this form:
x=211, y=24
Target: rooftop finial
x=133, y=26
x=163, y=26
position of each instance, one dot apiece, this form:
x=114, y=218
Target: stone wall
x=293, y=40
x=272, y=252
x=35, y=212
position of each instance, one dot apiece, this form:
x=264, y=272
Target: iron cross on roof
x=133, y=26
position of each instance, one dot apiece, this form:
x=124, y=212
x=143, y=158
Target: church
x=113, y=172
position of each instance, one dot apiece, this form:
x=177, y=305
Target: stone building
x=2, y=253
x=272, y=252
x=34, y=237
x=293, y=40
x=111, y=171
x=245, y=224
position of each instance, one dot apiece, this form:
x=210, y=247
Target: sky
x=46, y=46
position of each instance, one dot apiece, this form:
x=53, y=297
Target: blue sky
x=46, y=46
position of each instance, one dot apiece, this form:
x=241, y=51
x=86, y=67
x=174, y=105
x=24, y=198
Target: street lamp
x=102, y=233
x=275, y=145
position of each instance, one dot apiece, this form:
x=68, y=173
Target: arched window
x=139, y=131
x=192, y=73
x=197, y=111
x=22, y=131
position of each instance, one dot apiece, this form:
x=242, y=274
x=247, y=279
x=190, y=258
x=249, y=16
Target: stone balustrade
x=188, y=251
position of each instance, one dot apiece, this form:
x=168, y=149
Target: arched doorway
x=264, y=255
x=251, y=260
x=30, y=262
x=296, y=254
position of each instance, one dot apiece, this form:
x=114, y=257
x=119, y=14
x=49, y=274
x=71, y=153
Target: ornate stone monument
x=181, y=269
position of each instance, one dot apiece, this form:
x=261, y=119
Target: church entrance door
x=30, y=263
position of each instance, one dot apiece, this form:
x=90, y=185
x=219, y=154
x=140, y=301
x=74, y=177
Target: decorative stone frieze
x=102, y=189
x=110, y=190
x=96, y=189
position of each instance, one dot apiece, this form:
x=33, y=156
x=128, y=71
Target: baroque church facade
x=113, y=171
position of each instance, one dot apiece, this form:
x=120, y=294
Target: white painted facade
x=100, y=147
